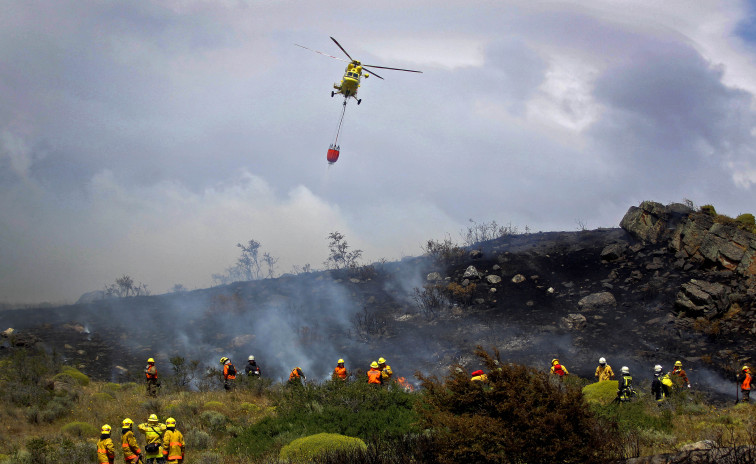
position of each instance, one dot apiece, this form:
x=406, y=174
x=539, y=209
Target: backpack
x=231, y=369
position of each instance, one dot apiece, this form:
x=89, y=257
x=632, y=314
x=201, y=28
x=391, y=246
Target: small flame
x=406, y=385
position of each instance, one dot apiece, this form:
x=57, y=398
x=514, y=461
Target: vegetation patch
x=306, y=448
x=80, y=430
x=601, y=392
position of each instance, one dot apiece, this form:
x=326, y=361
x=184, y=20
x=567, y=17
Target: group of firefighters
x=379, y=373
x=661, y=387
x=164, y=443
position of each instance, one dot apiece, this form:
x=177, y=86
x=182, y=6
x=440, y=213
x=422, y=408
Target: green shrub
x=77, y=375
x=709, y=210
x=522, y=415
x=80, y=430
x=217, y=405
x=601, y=392
x=102, y=396
x=208, y=457
x=306, y=448
x=354, y=409
x=198, y=439
x=250, y=407
x=214, y=420
x=746, y=219
x=112, y=387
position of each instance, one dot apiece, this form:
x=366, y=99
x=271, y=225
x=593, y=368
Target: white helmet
x=251, y=358
x=657, y=368
x=625, y=370
x=602, y=360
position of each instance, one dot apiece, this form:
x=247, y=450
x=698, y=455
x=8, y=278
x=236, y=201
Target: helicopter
x=355, y=70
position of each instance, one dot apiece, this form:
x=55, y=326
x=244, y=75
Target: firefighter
x=661, y=385
x=173, y=443
x=386, y=371
x=744, y=379
x=229, y=373
x=478, y=376
x=297, y=376
x=625, y=385
x=252, y=369
x=604, y=371
x=131, y=452
x=105, y=448
x=558, y=369
x=375, y=374
x=678, y=376
x=339, y=372
x=152, y=378
x=153, y=435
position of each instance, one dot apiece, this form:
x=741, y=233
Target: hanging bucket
x=333, y=154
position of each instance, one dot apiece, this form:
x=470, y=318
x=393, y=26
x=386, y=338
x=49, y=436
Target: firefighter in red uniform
x=744, y=379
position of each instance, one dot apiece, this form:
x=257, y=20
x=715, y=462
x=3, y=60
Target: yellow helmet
x=127, y=423
x=150, y=360
x=746, y=368
x=170, y=422
x=340, y=361
x=381, y=361
x=678, y=363
x=223, y=360
x=152, y=418
x=554, y=361
x=106, y=429
x=374, y=365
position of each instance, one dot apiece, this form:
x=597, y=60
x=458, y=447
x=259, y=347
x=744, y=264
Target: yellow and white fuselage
x=350, y=83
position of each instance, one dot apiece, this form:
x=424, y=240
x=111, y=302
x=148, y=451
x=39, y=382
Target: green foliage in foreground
x=354, y=409
x=601, y=392
x=306, y=448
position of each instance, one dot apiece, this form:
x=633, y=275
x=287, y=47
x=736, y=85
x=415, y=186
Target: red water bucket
x=333, y=154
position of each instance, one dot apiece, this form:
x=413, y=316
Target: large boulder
x=573, y=322
x=471, y=273
x=726, y=246
x=652, y=222
x=600, y=300
x=701, y=298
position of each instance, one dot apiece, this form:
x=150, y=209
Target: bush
x=709, y=210
x=601, y=392
x=216, y=405
x=306, y=448
x=354, y=409
x=208, y=457
x=77, y=375
x=521, y=415
x=80, y=430
x=198, y=439
x=214, y=420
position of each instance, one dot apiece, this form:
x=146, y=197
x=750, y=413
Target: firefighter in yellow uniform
x=131, y=452
x=153, y=435
x=386, y=371
x=604, y=371
x=173, y=443
x=105, y=448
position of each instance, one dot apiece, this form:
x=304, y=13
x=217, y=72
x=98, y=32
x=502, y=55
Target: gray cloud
x=148, y=138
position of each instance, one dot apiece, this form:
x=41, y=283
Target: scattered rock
x=614, y=251
x=471, y=273
x=8, y=332
x=518, y=278
x=476, y=254
x=573, y=322
x=597, y=301
x=493, y=279
x=433, y=277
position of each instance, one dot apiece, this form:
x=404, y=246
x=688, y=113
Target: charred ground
x=571, y=295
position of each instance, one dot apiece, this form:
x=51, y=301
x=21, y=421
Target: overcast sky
x=149, y=137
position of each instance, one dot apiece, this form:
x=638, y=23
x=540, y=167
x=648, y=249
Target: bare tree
x=270, y=263
x=249, y=266
x=125, y=286
x=340, y=257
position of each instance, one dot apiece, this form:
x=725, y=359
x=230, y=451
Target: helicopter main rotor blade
x=374, y=74
x=342, y=49
x=324, y=54
x=385, y=67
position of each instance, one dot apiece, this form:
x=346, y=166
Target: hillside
x=626, y=294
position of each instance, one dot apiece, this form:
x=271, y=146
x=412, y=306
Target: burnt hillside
x=636, y=297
